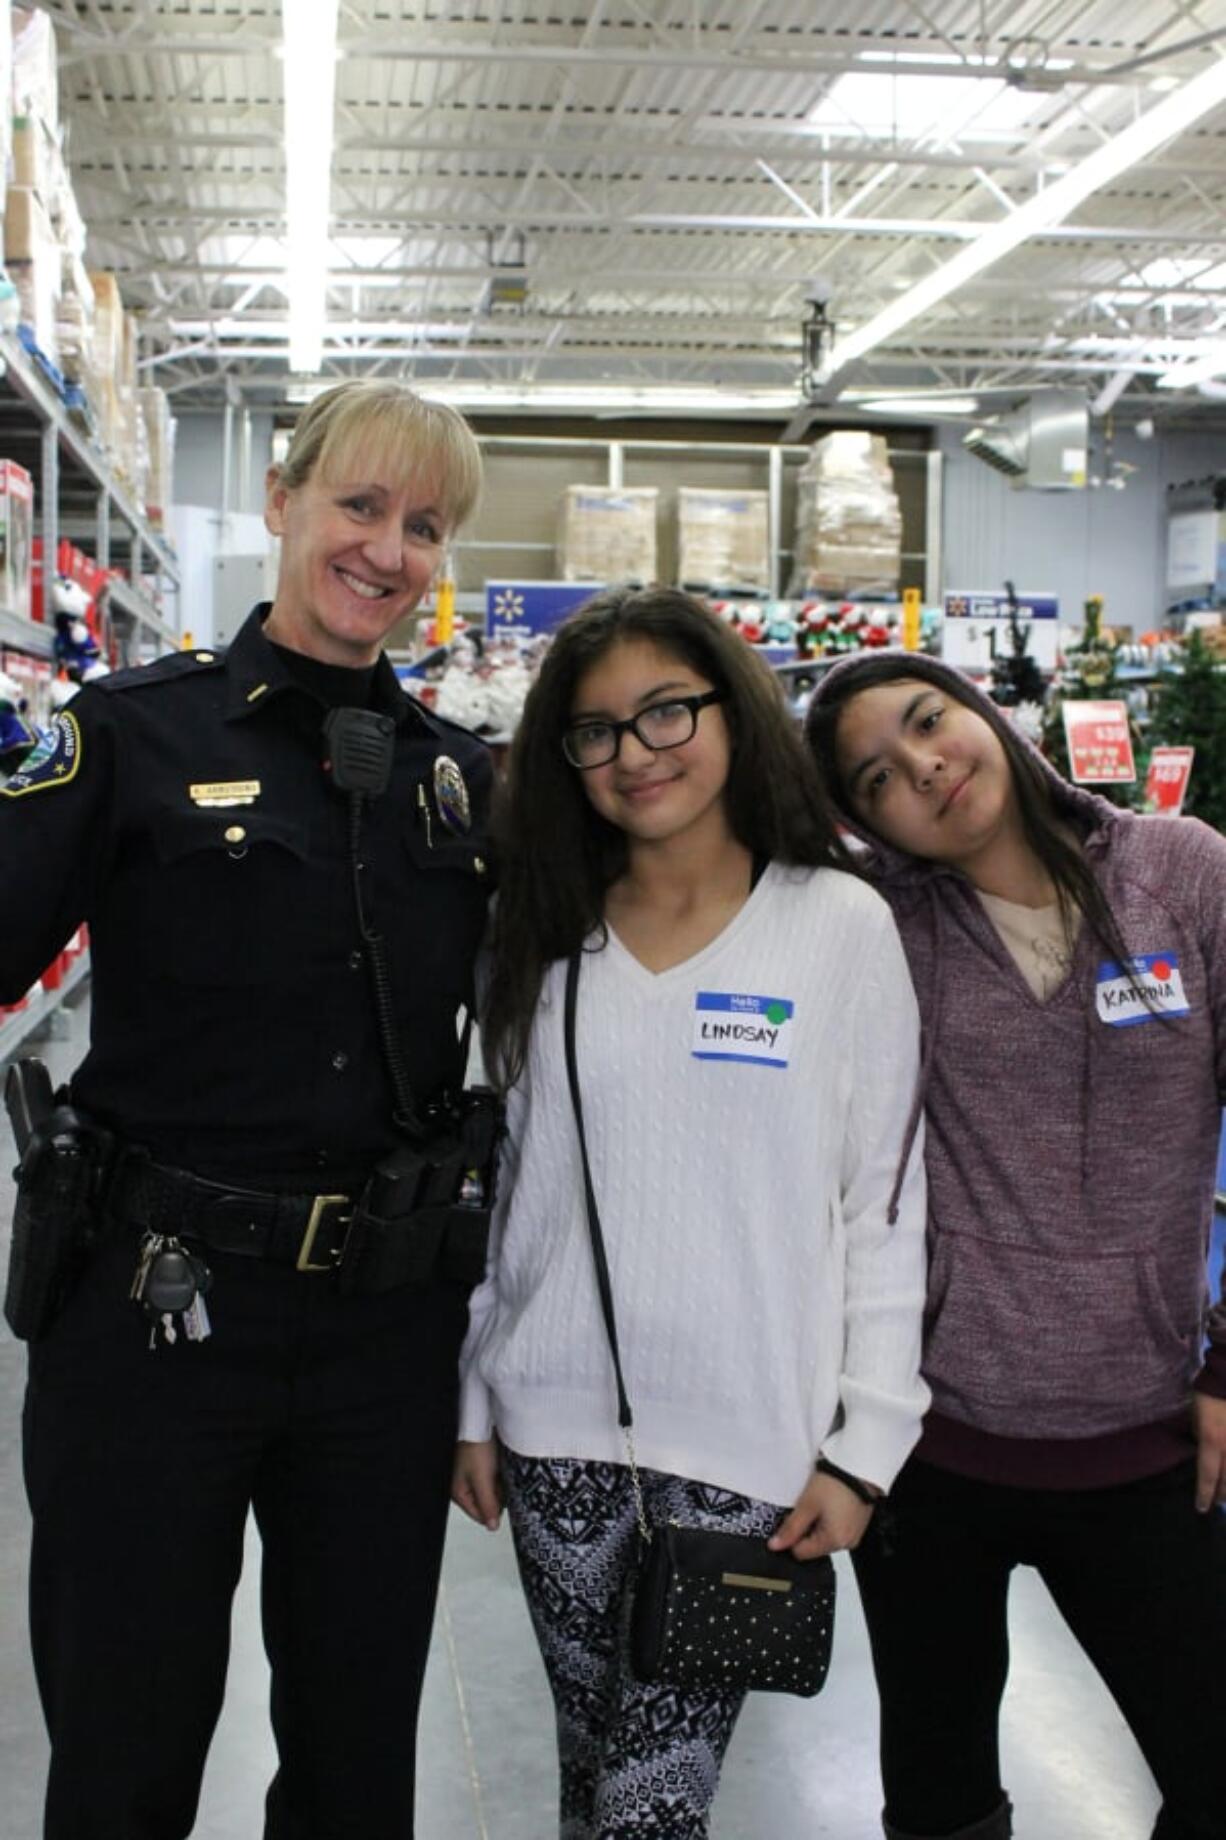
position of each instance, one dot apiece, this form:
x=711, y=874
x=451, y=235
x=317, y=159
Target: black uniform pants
x=336, y=1418
x=1140, y=1579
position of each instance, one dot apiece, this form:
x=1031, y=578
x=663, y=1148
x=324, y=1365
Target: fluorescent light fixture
x=309, y=28
x=1051, y=206
x=594, y=398
x=920, y=405
x=905, y=105
x=584, y=398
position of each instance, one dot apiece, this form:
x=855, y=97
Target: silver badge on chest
x=451, y=796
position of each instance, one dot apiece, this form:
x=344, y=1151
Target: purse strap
x=625, y=1417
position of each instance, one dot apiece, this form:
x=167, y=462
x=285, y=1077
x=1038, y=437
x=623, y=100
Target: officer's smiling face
x=360, y=546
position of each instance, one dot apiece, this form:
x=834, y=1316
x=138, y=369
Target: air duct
x=1042, y=443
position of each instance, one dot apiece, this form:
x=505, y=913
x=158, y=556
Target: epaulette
x=451, y=726
x=161, y=671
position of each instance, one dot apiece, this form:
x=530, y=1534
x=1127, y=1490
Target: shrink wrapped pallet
x=76, y=324
x=607, y=534
x=35, y=82
x=848, y=521
x=723, y=540
x=160, y=433
x=108, y=323
x=108, y=364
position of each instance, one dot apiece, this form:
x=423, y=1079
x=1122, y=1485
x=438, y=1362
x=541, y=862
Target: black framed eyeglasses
x=668, y=724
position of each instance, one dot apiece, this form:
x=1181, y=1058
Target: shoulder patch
x=54, y=762
x=162, y=670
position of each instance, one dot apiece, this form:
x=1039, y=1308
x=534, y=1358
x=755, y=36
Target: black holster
x=56, y=1219
x=425, y=1212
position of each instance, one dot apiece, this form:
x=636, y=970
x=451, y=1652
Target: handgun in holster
x=58, y=1179
x=425, y=1212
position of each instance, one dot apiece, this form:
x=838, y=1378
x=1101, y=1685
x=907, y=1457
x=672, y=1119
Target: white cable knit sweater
x=765, y=1308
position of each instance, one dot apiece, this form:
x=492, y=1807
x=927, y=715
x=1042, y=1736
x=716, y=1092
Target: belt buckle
x=319, y=1208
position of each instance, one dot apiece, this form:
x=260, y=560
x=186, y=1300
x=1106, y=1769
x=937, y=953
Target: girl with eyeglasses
x=747, y=1047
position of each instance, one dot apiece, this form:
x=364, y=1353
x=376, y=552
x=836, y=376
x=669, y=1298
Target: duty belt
x=313, y=1233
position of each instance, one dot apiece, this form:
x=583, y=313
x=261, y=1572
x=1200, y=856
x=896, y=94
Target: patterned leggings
x=637, y=1762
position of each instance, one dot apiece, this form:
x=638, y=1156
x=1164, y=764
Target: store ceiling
x=662, y=180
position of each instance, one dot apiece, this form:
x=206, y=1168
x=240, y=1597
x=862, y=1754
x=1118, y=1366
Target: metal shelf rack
x=77, y=493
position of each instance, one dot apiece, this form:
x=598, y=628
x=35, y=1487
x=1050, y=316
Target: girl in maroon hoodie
x=1070, y=963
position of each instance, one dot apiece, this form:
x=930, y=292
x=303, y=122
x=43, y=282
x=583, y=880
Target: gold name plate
x=750, y=1583
x=225, y=792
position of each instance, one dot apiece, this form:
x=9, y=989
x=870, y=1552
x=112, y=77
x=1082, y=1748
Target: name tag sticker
x=729, y=1026
x=1156, y=990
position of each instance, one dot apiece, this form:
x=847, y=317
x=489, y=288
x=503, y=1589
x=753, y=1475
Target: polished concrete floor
x=487, y=1770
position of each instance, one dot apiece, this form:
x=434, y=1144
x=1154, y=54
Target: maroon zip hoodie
x=1071, y=1154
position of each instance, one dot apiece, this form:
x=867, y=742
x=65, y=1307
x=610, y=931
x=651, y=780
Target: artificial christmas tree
x=1016, y=678
x=1190, y=711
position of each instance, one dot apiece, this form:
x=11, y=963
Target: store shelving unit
x=17, y=1028
x=519, y=521
x=76, y=494
x=25, y=635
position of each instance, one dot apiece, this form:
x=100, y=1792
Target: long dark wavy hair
x=558, y=857
x=1077, y=887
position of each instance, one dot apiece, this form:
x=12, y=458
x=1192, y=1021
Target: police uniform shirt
x=184, y=811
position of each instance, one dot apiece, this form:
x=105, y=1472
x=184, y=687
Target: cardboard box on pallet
x=34, y=154
x=33, y=259
x=607, y=534
x=723, y=539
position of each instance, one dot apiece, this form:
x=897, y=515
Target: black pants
x=335, y=1417
x=1137, y=1574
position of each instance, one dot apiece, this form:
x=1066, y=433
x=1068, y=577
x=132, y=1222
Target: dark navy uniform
x=185, y=812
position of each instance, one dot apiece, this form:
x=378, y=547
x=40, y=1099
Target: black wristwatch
x=860, y=1489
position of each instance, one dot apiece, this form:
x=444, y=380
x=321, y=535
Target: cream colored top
x=1037, y=939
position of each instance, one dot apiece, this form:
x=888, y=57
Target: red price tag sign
x=1099, y=744
x=1166, y=783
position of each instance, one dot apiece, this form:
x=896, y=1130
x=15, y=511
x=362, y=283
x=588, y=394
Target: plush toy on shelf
x=17, y=736
x=76, y=647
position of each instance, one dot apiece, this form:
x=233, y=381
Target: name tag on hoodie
x=1156, y=990
x=730, y=1026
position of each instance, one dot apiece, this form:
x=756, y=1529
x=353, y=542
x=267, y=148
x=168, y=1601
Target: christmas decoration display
x=1090, y=674
x=1189, y=710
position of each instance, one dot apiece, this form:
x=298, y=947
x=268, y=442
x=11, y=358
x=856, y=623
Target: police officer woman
x=280, y=858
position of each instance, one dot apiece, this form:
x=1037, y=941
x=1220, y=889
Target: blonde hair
x=384, y=420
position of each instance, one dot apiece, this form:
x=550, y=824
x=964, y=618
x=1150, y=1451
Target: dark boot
x=996, y=1826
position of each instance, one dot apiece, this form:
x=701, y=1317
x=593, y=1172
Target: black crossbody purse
x=708, y=1609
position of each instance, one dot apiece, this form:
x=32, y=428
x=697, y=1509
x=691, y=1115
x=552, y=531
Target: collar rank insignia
x=451, y=796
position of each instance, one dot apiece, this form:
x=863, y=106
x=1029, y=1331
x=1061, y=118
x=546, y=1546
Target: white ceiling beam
x=252, y=41
x=155, y=215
